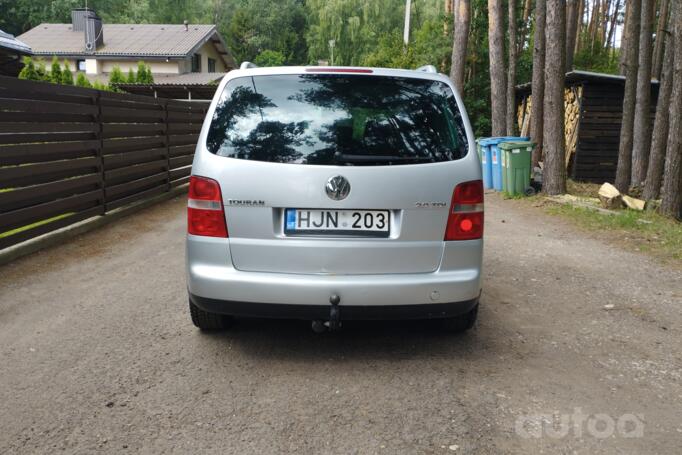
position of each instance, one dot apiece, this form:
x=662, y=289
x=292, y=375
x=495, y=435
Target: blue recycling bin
x=485, y=159
x=490, y=150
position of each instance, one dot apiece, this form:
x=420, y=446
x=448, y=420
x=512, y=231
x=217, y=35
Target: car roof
x=347, y=70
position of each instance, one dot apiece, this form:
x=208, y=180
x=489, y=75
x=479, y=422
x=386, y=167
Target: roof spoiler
x=247, y=65
x=428, y=69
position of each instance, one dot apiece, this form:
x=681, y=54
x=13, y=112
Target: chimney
x=78, y=19
x=186, y=23
x=94, y=36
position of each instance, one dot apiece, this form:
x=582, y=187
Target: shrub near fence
x=71, y=153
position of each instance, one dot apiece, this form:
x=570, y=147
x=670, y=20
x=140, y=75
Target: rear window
x=337, y=120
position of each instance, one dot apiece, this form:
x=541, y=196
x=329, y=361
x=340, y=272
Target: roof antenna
x=186, y=25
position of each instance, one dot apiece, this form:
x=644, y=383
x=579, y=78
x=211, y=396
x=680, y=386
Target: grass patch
x=643, y=231
x=34, y=225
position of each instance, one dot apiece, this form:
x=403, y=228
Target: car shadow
x=388, y=340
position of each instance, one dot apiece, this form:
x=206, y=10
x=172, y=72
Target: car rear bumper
x=347, y=312
x=216, y=286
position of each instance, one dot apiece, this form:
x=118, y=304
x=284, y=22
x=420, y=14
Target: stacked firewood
x=572, y=96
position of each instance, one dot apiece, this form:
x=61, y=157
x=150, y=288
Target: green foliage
x=55, y=71
x=131, y=79
x=101, y=86
x=144, y=74
x=260, y=25
x=67, y=76
x=43, y=74
x=82, y=81
x=29, y=72
x=477, y=86
x=116, y=76
x=270, y=58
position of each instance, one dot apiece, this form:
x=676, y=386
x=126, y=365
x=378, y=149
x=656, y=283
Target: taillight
x=205, y=213
x=465, y=218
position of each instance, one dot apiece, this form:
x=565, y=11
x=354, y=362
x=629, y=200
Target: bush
x=97, y=85
x=42, y=72
x=144, y=74
x=55, y=71
x=82, y=81
x=67, y=76
x=29, y=72
x=116, y=76
x=131, y=76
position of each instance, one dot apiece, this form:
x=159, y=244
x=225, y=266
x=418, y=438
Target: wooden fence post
x=100, y=149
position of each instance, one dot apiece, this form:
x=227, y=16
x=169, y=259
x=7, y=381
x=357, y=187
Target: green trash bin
x=516, y=158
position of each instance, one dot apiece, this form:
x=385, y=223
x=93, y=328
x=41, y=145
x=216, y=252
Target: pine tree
x=43, y=74
x=671, y=204
x=641, y=142
x=131, y=76
x=462, y=14
x=630, y=66
x=144, y=74
x=67, y=76
x=554, y=176
x=538, y=83
x=29, y=72
x=498, y=75
x=55, y=71
x=116, y=76
x=82, y=81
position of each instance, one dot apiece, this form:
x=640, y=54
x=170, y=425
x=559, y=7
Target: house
x=593, y=107
x=95, y=48
x=11, y=52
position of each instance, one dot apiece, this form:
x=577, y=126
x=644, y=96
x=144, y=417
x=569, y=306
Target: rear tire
x=462, y=323
x=208, y=321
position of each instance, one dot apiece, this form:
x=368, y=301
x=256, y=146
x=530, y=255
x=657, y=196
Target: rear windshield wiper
x=340, y=157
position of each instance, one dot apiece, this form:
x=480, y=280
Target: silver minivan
x=332, y=194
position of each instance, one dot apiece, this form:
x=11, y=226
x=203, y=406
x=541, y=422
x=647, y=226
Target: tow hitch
x=334, y=322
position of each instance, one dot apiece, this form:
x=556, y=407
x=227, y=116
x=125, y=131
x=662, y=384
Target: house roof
x=8, y=41
x=578, y=76
x=128, y=40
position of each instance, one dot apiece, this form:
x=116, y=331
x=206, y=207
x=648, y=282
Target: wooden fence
x=71, y=153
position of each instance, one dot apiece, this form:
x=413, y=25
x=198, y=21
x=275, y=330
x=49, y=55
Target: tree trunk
x=672, y=182
x=604, y=20
x=554, y=172
x=594, y=23
x=652, y=186
x=525, y=27
x=579, y=26
x=571, y=31
x=538, y=83
x=624, y=41
x=642, y=134
x=511, y=71
x=612, y=28
x=624, y=169
x=658, y=45
x=460, y=43
x=498, y=75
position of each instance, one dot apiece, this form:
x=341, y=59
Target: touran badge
x=337, y=187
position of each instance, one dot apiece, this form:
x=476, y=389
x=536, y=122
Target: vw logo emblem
x=337, y=187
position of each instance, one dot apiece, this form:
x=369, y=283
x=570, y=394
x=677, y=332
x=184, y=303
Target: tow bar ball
x=334, y=322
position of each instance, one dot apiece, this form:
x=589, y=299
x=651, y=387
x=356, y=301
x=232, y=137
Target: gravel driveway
x=577, y=350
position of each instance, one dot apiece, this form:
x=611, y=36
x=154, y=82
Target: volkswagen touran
x=332, y=194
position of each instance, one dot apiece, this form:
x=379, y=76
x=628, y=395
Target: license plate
x=374, y=223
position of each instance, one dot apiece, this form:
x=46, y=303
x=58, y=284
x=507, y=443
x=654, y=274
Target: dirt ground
x=578, y=349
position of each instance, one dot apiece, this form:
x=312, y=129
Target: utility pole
x=406, y=30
